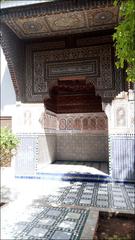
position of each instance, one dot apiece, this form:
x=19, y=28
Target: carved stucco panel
x=40, y=85
x=37, y=61
x=89, y=122
x=106, y=67
x=32, y=92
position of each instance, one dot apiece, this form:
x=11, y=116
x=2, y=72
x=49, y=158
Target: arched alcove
x=82, y=125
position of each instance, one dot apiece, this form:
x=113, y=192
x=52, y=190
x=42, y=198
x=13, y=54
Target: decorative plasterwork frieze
x=72, y=68
x=44, y=67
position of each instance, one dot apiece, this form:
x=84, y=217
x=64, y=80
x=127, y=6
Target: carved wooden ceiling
x=83, y=48
x=63, y=23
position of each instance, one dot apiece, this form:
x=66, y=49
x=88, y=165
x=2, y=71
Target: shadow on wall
x=8, y=97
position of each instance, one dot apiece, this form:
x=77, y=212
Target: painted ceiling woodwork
x=64, y=23
x=73, y=96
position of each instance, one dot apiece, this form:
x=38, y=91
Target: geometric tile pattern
x=62, y=214
x=42, y=58
x=53, y=223
x=91, y=194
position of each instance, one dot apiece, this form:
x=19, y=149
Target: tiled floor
x=55, y=223
x=100, y=195
x=55, y=210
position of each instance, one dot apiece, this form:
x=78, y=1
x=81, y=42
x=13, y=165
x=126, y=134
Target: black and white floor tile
x=52, y=223
x=100, y=195
x=62, y=214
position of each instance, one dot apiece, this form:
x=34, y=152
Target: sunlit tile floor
x=49, y=223
x=41, y=209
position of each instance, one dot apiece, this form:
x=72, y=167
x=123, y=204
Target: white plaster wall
x=8, y=97
x=121, y=113
x=29, y=118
